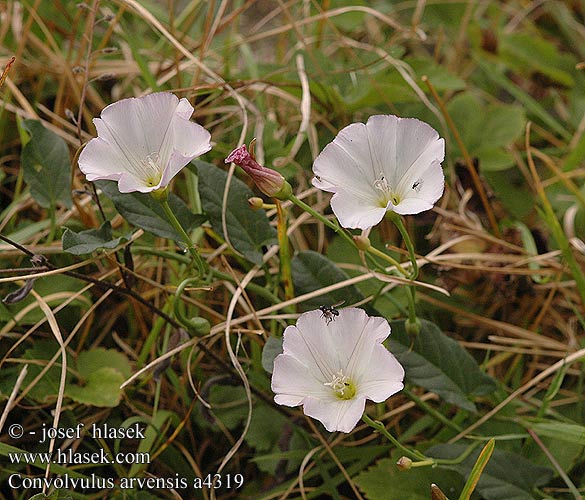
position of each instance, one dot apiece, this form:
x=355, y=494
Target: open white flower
x=331, y=365
x=386, y=164
x=143, y=142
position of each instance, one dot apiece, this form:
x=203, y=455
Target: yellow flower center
x=342, y=386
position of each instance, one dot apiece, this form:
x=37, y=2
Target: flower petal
x=418, y=145
x=378, y=385
x=422, y=192
x=356, y=335
x=432, y=155
x=380, y=166
x=339, y=415
x=331, y=365
x=310, y=343
x=353, y=212
x=346, y=162
x=383, y=137
x=293, y=381
x=99, y=160
x=138, y=125
x=128, y=183
x=186, y=140
x=143, y=142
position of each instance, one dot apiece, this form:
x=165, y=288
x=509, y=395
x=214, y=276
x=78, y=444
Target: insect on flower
x=330, y=312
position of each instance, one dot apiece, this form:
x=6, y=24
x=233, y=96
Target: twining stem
x=413, y=324
x=196, y=326
x=397, y=220
x=387, y=258
x=421, y=459
x=431, y=411
x=199, y=262
x=339, y=230
x=379, y=427
x=324, y=220
x=284, y=253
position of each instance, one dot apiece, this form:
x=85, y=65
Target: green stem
x=413, y=324
x=197, y=325
x=199, y=262
x=407, y=241
x=284, y=253
x=379, y=427
x=431, y=411
x=378, y=253
x=338, y=229
x=421, y=460
x=253, y=287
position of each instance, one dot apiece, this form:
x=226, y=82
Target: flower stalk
x=412, y=454
x=284, y=252
x=199, y=263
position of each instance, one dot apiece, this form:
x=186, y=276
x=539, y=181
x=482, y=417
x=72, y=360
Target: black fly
x=330, y=312
x=416, y=186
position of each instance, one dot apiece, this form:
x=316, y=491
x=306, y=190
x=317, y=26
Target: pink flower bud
x=270, y=182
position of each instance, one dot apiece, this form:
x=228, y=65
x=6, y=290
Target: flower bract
x=386, y=164
x=143, y=142
x=331, y=366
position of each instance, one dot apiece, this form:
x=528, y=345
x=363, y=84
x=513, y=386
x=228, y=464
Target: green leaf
x=91, y=361
x=272, y=348
x=102, y=388
x=441, y=78
x=570, y=433
x=312, y=271
x=46, y=287
x=143, y=211
x=46, y=165
x=527, y=53
x=265, y=435
x=512, y=190
x=229, y=405
x=494, y=73
x=486, y=130
x=384, y=481
x=507, y=476
x=439, y=364
x=91, y=239
x=102, y=371
x=39, y=354
x=248, y=230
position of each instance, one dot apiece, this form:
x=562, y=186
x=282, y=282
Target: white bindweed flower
x=386, y=164
x=331, y=365
x=143, y=142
